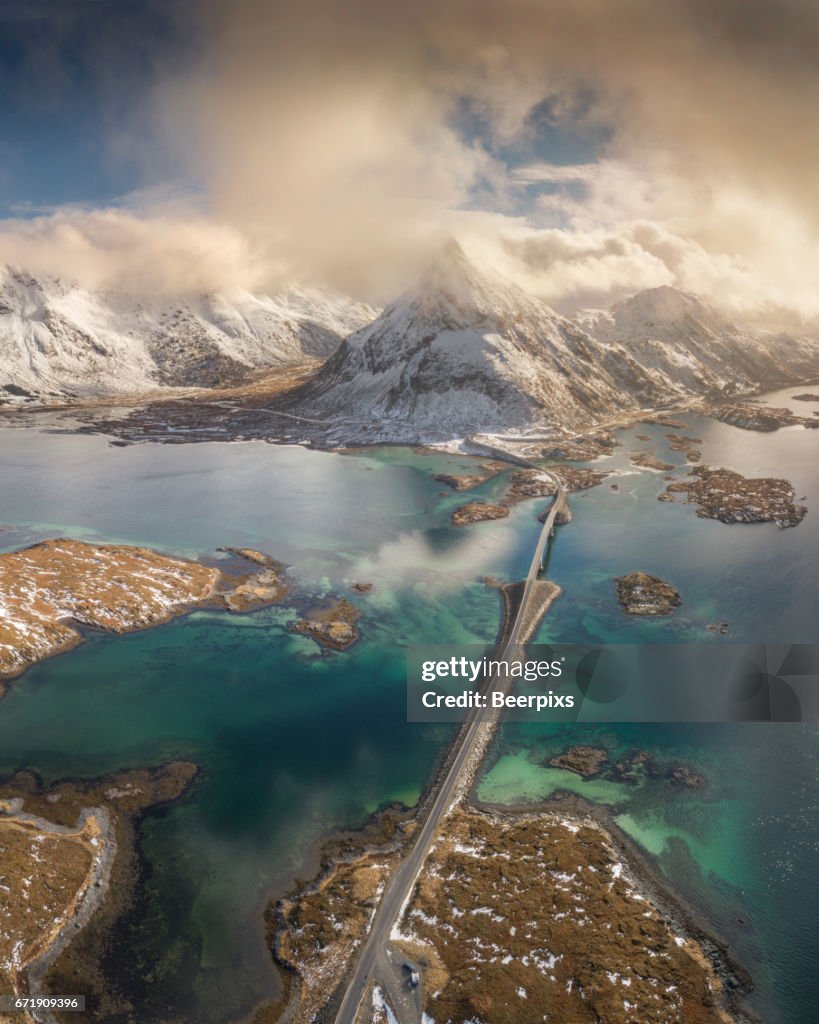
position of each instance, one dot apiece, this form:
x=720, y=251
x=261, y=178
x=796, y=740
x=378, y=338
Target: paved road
x=374, y=962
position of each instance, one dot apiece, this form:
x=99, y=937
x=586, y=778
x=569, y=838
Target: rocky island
x=640, y=593
x=582, y=760
x=478, y=512
x=241, y=590
x=765, y=418
x=69, y=867
x=467, y=481
x=512, y=911
x=49, y=591
x=681, y=443
x=332, y=624
x=729, y=497
x=645, y=458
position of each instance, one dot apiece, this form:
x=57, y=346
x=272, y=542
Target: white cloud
x=156, y=251
x=326, y=149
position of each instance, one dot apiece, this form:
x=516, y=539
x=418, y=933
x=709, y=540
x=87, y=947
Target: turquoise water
x=291, y=746
x=743, y=850
x=294, y=742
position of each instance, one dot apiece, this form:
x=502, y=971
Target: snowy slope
x=459, y=352
x=463, y=352
x=688, y=347
x=57, y=338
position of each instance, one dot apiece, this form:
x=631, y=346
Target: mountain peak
x=452, y=250
x=664, y=303
x=450, y=264
x=456, y=289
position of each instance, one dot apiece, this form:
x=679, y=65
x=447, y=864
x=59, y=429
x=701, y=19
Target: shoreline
x=96, y=895
x=243, y=582
x=74, y=960
x=94, y=827
x=688, y=921
x=652, y=883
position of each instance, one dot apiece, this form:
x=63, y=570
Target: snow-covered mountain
x=690, y=348
x=59, y=339
x=463, y=352
x=459, y=352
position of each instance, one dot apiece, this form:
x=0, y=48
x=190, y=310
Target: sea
x=295, y=742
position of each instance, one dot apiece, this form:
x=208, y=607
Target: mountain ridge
x=59, y=339
x=461, y=352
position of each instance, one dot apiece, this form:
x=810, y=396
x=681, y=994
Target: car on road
x=414, y=976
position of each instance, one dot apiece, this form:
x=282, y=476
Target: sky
x=586, y=150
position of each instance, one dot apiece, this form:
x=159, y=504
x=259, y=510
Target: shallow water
x=742, y=850
x=294, y=742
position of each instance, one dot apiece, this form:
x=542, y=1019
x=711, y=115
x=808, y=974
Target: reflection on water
x=294, y=742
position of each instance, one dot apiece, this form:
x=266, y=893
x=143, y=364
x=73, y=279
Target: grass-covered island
x=51, y=590
x=514, y=912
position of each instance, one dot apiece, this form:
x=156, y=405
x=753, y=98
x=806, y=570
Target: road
x=374, y=962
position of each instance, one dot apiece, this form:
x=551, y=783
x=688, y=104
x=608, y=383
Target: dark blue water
x=294, y=742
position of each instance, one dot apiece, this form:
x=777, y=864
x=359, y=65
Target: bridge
x=378, y=961
x=558, y=507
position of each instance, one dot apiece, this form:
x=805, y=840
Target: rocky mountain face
x=458, y=353
x=462, y=352
x=57, y=339
x=689, y=348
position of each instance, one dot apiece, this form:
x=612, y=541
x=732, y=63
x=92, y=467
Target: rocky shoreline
x=52, y=590
x=109, y=809
x=258, y=409
x=730, y=497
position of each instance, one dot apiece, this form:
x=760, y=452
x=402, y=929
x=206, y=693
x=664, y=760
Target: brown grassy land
x=534, y=914
x=68, y=866
x=516, y=918
x=49, y=589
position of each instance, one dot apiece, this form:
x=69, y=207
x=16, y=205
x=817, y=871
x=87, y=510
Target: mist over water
x=295, y=742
